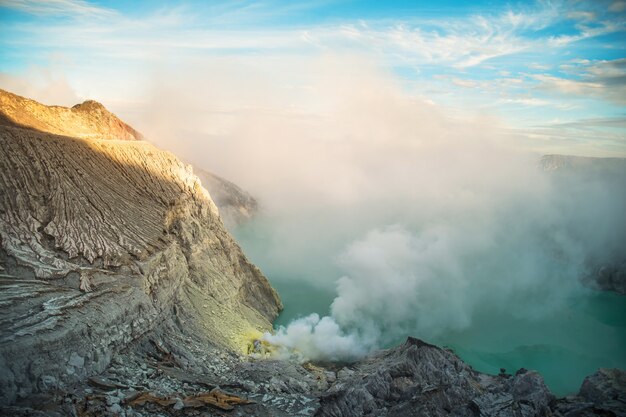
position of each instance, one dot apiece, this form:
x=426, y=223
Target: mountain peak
x=89, y=105
x=87, y=120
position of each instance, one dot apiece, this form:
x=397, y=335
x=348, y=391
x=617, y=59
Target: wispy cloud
x=528, y=101
x=591, y=137
x=511, y=60
x=464, y=83
x=589, y=124
x=72, y=8
x=618, y=6
x=603, y=79
x=462, y=42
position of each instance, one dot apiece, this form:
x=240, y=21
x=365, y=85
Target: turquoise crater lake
x=587, y=333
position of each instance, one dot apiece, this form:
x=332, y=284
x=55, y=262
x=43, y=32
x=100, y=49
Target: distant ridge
x=554, y=162
x=235, y=204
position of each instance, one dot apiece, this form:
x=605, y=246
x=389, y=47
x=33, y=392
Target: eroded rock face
x=104, y=240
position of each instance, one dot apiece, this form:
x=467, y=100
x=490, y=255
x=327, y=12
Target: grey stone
x=48, y=382
x=112, y=399
x=604, y=385
x=179, y=404
x=76, y=360
x=116, y=409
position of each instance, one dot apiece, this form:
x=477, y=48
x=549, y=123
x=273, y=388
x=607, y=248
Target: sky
x=551, y=72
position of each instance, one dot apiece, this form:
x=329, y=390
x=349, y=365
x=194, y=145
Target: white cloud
x=105, y=51
x=74, y=8
x=582, y=15
x=464, y=83
x=602, y=79
x=48, y=86
x=568, y=86
x=591, y=124
x=618, y=6
x=528, y=101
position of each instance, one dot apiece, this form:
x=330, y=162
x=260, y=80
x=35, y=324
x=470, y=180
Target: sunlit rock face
x=86, y=120
x=106, y=238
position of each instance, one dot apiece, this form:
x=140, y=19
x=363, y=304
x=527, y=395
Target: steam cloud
x=418, y=219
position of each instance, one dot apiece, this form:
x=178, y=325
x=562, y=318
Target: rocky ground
x=183, y=379
x=186, y=378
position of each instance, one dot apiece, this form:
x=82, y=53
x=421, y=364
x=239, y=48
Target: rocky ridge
x=556, y=162
x=236, y=206
x=88, y=120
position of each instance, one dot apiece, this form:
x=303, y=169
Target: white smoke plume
x=315, y=338
x=419, y=219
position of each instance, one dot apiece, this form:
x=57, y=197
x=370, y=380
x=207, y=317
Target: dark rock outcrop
x=582, y=164
x=419, y=379
x=610, y=278
x=601, y=394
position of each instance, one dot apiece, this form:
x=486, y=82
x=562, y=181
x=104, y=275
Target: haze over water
x=393, y=149
x=587, y=332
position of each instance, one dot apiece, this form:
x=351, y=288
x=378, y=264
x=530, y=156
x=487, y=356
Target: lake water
x=588, y=333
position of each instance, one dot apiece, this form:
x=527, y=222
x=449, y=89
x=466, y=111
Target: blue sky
x=554, y=71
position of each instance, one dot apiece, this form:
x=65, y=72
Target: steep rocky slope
x=103, y=240
x=236, y=205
